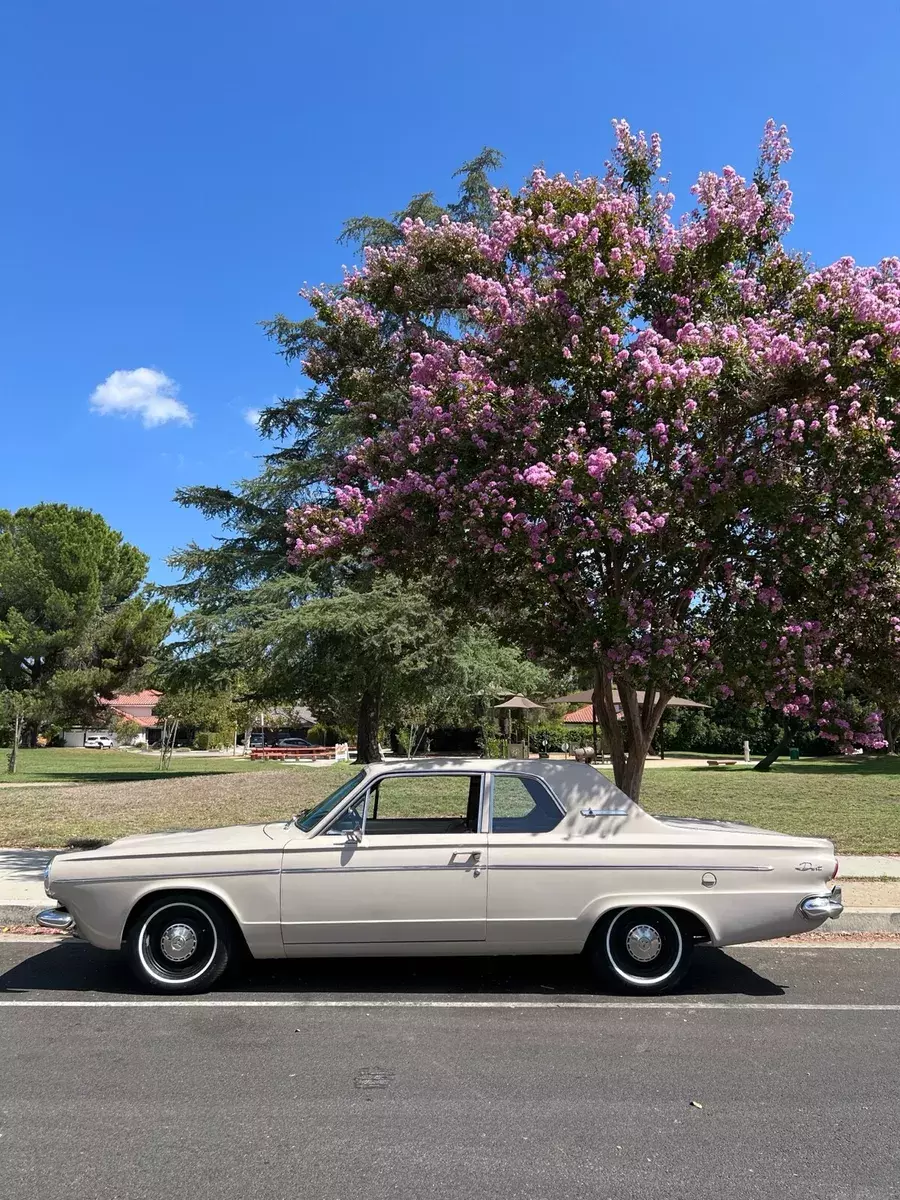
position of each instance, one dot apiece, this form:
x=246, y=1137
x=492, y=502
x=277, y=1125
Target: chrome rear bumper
x=817, y=907
x=56, y=918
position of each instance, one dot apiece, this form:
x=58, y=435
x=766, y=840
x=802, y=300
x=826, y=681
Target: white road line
x=672, y=1006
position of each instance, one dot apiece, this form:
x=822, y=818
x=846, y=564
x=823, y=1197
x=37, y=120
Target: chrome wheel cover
x=644, y=946
x=643, y=943
x=178, y=943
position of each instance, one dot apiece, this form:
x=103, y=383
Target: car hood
x=187, y=841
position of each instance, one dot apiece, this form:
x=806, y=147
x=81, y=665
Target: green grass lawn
x=853, y=801
x=99, y=766
x=107, y=794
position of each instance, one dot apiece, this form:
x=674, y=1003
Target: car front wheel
x=178, y=944
x=640, y=950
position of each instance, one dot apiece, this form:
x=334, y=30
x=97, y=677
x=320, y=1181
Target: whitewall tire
x=178, y=943
x=642, y=949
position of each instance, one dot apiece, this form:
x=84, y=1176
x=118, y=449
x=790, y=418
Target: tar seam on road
x=691, y=1005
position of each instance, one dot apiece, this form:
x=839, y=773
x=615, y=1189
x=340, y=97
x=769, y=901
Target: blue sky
x=175, y=172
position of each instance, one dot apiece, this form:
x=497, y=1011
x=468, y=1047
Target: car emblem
x=808, y=866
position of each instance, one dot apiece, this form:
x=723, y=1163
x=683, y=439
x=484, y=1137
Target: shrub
x=326, y=735
x=208, y=740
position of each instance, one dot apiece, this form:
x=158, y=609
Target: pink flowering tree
x=662, y=451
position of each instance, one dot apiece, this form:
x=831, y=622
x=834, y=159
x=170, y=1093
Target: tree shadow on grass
x=837, y=767
x=81, y=970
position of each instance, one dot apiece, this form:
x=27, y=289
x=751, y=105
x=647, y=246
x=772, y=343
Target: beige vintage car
x=448, y=857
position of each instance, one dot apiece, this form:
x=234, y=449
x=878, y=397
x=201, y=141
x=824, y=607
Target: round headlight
x=47, y=880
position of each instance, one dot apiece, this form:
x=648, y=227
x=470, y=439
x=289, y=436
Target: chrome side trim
x=605, y=812
x=75, y=856
x=617, y=867
x=462, y=867
x=173, y=875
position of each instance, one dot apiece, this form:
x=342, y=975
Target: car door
x=530, y=905
x=403, y=863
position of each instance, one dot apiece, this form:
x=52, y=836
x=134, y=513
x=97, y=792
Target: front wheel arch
x=148, y=899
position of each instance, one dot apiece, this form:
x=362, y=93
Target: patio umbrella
x=520, y=703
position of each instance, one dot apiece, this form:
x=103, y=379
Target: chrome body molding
x=527, y=866
x=157, y=875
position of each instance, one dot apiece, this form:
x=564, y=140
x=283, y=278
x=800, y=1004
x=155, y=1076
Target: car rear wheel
x=179, y=944
x=640, y=950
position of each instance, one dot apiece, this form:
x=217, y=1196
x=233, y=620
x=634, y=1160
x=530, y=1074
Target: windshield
x=309, y=820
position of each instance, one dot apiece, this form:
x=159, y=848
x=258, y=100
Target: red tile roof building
x=138, y=706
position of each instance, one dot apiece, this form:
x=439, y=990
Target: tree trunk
x=12, y=762
x=629, y=737
x=890, y=735
x=782, y=747
x=368, y=721
x=248, y=733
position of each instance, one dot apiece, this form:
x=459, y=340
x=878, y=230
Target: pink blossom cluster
x=686, y=473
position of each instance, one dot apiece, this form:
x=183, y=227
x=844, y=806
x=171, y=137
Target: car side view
x=451, y=857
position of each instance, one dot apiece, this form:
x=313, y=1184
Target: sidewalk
x=871, y=907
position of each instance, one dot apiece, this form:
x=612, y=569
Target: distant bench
x=718, y=762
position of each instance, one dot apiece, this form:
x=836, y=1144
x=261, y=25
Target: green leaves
x=74, y=622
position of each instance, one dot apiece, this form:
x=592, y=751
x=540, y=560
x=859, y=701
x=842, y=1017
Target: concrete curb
x=20, y=914
x=865, y=920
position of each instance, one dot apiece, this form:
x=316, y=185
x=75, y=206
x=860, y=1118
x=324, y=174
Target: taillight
x=837, y=867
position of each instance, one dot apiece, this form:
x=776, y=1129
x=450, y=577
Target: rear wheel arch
x=643, y=947
x=693, y=925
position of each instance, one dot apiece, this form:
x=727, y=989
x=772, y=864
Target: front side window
x=435, y=803
x=309, y=820
x=523, y=805
x=414, y=804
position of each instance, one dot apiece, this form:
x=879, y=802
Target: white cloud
x=143, y=393
x=252, y=415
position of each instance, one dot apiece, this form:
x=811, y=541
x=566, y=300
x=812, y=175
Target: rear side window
x=523, y=805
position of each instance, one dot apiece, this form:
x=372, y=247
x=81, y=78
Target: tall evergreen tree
x=75, y=620
x=339, y=636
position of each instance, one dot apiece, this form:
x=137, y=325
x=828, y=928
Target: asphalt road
x=366, y=1079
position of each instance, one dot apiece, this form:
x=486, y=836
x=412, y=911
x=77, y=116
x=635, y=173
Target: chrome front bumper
x=817, y=907
x=56, y=918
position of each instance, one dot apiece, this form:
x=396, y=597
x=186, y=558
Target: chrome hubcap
x=178, y=942
x=643, y=943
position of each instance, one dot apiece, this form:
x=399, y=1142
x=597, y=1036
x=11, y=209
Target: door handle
x=474, y=855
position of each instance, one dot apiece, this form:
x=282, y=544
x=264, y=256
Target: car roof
x=573, y=783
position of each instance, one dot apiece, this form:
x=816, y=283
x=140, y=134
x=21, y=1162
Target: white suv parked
x=98, y=741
